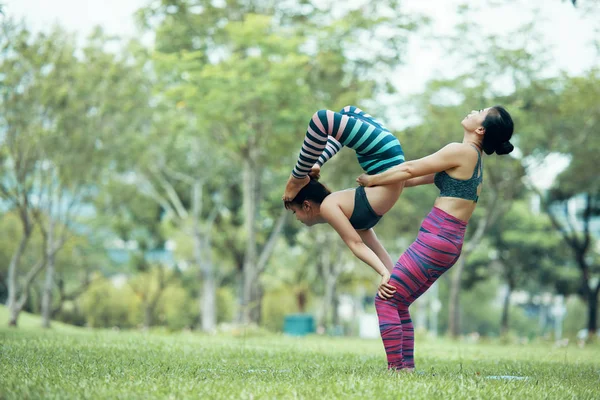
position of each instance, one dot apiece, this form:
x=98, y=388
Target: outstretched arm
x=422, y=180
x=446, y=158
x=334, y=215
x=371, y=240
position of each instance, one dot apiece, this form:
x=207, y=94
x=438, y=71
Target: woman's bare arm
x=448, y=157
x=334, y=215
x=371, y=240
x=422, y=180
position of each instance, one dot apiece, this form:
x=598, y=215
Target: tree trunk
x=249, y=272
x=593, y=311
x=209, y=290
x=11, y=302
x=63, y=296
x=49, y=283
x=47, y=295
x=16, y=309
x=257, y=297
x=328, y=299
x=325, y=307
x=254, y=265
x=209, y=304
x=454, y=306
x=148, y=310
x=326, y=268
x=335, y=315
x=13, y=316
x=202, y=254
x=505, y=311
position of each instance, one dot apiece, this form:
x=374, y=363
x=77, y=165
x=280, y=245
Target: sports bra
x=363, y=216
x=461, y=188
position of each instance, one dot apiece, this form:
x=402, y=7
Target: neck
x=470, y=139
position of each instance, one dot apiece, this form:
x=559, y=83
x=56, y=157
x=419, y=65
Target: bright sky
x=568, y=30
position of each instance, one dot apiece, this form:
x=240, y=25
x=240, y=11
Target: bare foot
x=403, y=370
x=293, y=186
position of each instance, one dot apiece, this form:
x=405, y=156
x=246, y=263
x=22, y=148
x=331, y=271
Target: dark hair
x=314, y=191
x=498, y=130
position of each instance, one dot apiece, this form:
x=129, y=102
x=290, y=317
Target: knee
x=320, y=115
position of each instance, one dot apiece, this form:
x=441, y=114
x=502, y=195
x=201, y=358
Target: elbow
x=408, y=170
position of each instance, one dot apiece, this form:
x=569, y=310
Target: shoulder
x=331, y=201
x=337, y=200
x=456, y=147
x=460, y=150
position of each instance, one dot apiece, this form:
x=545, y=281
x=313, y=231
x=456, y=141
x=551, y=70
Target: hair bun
x=504, y=148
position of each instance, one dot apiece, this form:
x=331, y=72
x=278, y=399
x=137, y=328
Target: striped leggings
x=376, y=147
x=436, y=249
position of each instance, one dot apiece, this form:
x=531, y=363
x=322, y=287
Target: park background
x=145, y=146
x=141, y=174
x=144, y=248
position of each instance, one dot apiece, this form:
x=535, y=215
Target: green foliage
x=176, y=309
x=485, y=318
x=276, y=304
x=530, y=250
x=576, y=317
x=106, y=306
x=226, y=304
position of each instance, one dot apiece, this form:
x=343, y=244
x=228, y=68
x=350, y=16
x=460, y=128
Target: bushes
x=176, y=309
x=105, y=305
x=275, y=305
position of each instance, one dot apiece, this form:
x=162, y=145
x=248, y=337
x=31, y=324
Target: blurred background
x=145, y=146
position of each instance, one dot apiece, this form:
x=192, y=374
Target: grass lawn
x=69, y=363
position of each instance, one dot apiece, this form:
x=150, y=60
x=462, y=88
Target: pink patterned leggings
x=434, y=252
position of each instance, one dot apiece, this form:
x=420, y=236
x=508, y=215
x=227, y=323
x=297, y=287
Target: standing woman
x=457, y=170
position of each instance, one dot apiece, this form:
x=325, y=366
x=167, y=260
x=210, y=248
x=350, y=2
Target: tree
x=65, y=117
x=278, y=61
x=22, y=66
x=576, y=118
x=525, y=253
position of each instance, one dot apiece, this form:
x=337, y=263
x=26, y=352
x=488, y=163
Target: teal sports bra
x=461, y=188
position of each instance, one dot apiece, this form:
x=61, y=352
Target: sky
x=568, y=30
x=564, y=27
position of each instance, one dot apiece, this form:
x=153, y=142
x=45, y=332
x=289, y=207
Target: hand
x=315, y=171
x=293, y=186
x=386, y=291
x=364, y=180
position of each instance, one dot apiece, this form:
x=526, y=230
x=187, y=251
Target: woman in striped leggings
x=457, y=171
x=352, y=213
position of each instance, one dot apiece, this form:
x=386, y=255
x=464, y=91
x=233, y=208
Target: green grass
x=80, y=363
x=31, y=321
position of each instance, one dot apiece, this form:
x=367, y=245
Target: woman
x=353, y=212
x=457, y=170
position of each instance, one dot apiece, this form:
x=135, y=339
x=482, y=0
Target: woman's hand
x=364, y=180
x=386, y=291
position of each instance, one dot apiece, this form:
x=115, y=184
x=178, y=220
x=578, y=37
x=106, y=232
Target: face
x=474, y=119
x=307, y=213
